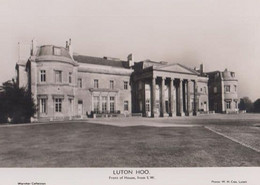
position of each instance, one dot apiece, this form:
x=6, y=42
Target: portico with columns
x=166, y=91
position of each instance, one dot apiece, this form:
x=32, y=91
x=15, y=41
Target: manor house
x=66, y=85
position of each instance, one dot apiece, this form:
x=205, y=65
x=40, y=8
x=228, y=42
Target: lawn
x=82, y=144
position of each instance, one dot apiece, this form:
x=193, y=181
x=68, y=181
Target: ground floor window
x=157, y=105
x=126, y=106
x=43, y=105
x=71, y=105
x=104, y=104
x=112, y=104
x=228, y=104
x=167, y=106
x=96, y=104
x=58, y=105
x=147, y=105
x=236, y=105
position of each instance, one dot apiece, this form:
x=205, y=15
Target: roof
x=100, y=61
x=49, y=50
x=176, y=67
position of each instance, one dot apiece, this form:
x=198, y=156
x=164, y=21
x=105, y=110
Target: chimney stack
x=34, y=47
x=130, y=60
x=70, y=48
x=201, y=69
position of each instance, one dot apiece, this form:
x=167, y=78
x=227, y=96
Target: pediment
x=176, y=68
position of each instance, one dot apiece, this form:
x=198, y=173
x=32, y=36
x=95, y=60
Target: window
x=96, y=104
x=227, y=88
x=58, y=76
x=147, y=105
x=140, y=85
x=70, y=105
x=43, y=105
x=104, y=104
x=125, y=85
x=79, y=82
x=228, y=104
x=157, y=104
x=43, y=75
x=57, y=51
x=96, y=83
x=215, y=89
x=200, y=89
x=58, y=105
x=70, y=77
x=205, y=90
x=125, y=105
x=111, y=84
x=112, y=104
x=235, y=88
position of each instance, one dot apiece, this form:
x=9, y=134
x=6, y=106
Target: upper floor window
x=58, y=76
x=70, y=77
x=235, y=88
x=216, y=75
x=227, y=88
x=232, y=74
x=125, y=85
x=140, y=85
x=95, y=83
x=205, y=90
x=215, y=89
x=111, y=84
x=43, y=76
x=57, y=51
x=80, y=82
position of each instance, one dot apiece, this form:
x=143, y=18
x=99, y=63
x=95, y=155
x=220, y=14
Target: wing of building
x=66, y=85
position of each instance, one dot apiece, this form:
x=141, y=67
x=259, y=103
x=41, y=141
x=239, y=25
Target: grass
x=92, y=145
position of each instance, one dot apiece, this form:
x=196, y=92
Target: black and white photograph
x=129, y=92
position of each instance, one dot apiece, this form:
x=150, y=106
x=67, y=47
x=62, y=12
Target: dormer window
x=57, y=51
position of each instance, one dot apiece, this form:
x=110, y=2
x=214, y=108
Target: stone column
x=100, y=104
x=153, y=89
x=185, y=97
x=162, y=97
x=143, y=98
x=196, y=103
x=188, y=98
x=181, y=97
x=171, y=98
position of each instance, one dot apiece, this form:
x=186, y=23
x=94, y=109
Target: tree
x=257, y=106
x=246, y=104
x=15, y=103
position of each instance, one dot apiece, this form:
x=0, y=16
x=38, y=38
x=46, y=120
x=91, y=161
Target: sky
x=218, y=33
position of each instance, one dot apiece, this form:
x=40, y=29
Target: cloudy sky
x=218, y=33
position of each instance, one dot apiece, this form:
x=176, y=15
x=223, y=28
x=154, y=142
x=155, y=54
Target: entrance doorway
x=80, y=107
